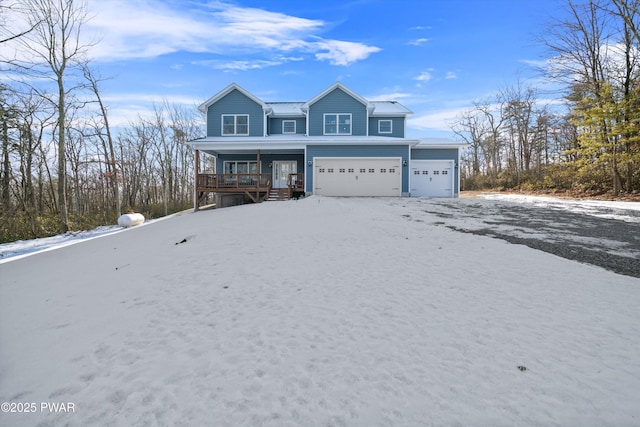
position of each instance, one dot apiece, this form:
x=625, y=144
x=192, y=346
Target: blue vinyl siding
x=440, y=154
x=265, y=160
x=356, y=151
x=337, y=101
x=397, y=126
x=435, y=154
x=235, y=102
x=275, y=126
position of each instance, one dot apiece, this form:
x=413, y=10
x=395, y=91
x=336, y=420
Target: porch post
x=258, y=169
x=196, y=203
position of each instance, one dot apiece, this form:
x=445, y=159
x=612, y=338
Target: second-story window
x=235, y=124
x=384, y=126
x=288, y=126
x=337, y=124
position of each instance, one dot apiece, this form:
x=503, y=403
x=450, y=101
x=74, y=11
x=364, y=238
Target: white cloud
x=536, y=63
x=145, y=28
x=451, y=75
x=394, y=96
x=418, y=42
x=127, y=107
x=425, y=76
x=343, y=53
x=440, y=120
x=238, y=65
x=243, y=65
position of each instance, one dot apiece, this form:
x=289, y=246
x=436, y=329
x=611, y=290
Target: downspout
x=267, y=112
x=457, y=172
x=409, y=170
x=305, y=110
x=369, y=108
x=195, y=183
x=306, y=122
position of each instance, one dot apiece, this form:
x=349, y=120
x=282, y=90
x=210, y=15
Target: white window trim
x=247, y=162
x=294, y=126
x=390, y=126
x=235, y=125
x=324, y=123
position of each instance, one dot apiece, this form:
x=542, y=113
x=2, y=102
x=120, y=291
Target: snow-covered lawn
x=323, y=311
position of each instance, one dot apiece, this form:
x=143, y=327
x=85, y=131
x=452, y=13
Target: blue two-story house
x=336, y=144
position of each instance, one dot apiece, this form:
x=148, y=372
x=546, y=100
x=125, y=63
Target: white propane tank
x=130, y=219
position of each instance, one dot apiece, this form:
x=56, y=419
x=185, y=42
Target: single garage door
x=357, y=176
x=431, y=178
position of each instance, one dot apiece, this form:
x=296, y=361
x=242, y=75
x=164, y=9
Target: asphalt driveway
x=589, y=232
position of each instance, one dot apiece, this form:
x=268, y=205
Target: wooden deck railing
x=213, y=182
x=295, y=182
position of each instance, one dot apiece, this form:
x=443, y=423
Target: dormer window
x=288, y=126
x=235, y=124
x=337, y=124
x=385, y=126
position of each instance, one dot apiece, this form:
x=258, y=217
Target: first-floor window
x=234, y=167
x=235, y=124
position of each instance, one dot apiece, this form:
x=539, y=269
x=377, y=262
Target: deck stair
x=278, y=194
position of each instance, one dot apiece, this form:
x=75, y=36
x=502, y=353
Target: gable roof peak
x=338, y=85
x=233, y=86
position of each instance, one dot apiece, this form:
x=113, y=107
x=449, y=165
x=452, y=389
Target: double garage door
x=357, y=176
x=431, y=178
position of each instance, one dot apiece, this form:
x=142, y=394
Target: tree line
x=590, y=143
x=64, y=167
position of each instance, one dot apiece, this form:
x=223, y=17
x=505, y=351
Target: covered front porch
x=258, y=176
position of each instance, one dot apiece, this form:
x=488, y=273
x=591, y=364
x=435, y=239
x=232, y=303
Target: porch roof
x=290, y=142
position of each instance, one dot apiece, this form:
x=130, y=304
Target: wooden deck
x=256, y=186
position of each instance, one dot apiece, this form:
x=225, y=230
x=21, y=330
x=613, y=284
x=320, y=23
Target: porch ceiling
x=263, y=151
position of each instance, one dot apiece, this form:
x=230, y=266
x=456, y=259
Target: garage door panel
x=358, y=176
x=432, y=178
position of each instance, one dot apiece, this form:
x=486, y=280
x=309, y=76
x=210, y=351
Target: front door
x=281, y=171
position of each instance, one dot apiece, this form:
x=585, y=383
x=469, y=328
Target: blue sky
x=434, y=56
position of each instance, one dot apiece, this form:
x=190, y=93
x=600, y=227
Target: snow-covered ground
x=599, y=208
x=22, y=248
x=604, y=209
x=322, y=311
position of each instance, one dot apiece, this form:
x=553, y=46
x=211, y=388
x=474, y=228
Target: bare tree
x=7, y=113
x=629, y=12
x=5, y=8
x=56, y=47
x=579, y=45
x=112, y=174
x=470, y=128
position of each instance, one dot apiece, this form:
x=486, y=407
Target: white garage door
x=357, y=176
x=431, y=178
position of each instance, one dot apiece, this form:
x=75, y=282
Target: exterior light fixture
x=309, y=163
x=404, y=163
